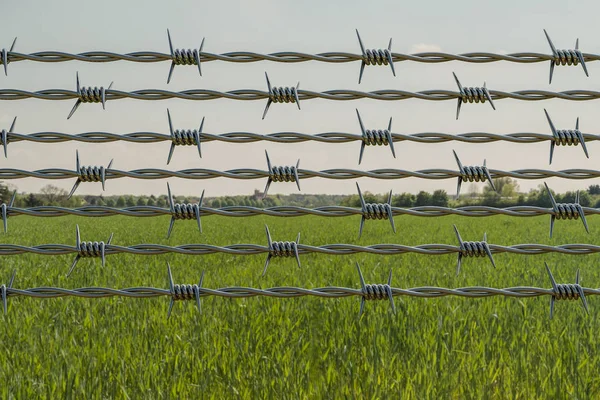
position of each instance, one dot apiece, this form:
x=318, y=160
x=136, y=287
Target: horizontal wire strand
x=285, y=137
x=285, y=57
x=331, y=249
x=337, y=94
x=287, y=211
x=286, y=292
x=338, y=173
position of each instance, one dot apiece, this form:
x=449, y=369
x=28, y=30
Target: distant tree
x=140, y=201
x=506, y=187
x=216, y=203
x=130, y=201
x=121, y=202
x=594, y=189
x=32, y=201
x=439, y=198
x=53, y=195
x=161, y=202
x=110, y=202
x=423, y=199
x=151, y=201
x=404, y=200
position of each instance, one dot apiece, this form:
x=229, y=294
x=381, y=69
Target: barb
x=374, y=57
x=566, y=211
x=286, y=211
x=297, y=174
x=4, y=137
x=4, y=210
x=184, y=57
x=375, y=137
x=336, y=94
x=566, y=137
x=184, y=137
x=88, y=174
x=375, y=211
x=183, y=292
x=472, y=249
x=565, y=57
x=281, y=95
x=472, y=174
x=375, y=292
x=4, y=289
x=7, y=57
x=89, y=95
x=281, y=174
x=183, y=211
x=472, y=95
x=281, y=249
x=564, y=291
x=89, y=249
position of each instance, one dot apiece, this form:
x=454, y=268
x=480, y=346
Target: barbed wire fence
x=367, y=211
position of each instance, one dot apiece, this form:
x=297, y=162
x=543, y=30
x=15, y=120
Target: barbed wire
x=287, y=211
x=331, y=249
x=285, y=137
x=337, y=173
x=337, y=94
x=286, y=57
x=285, y=292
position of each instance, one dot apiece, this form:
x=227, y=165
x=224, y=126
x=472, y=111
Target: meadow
x=306, y=347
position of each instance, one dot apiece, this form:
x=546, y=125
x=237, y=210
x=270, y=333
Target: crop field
x=305, y=347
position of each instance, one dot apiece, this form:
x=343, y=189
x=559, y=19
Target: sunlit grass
x=306, y=347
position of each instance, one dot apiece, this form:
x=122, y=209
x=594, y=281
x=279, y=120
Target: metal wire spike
x=89, y=174
x=565, y=57
x=375, y=137
x=5, y=56
x=281, y=174
x=472, y=174
x=184, y=57
x=375, y=57
x=375, y=292
x=472, y=249
x=4, y=137
x=472, y=95
x=89, y=249
x=561, y=291
x=4, y=290
x=565, y=137
x=183, y=211
x=281, y=95
x=375, y=211
x=89, y=95
x=281, y=249
x=183, y=292
x=566, y=211
x=182, y=137
x=5, y=208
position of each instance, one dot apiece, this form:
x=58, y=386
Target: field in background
x=306, y=347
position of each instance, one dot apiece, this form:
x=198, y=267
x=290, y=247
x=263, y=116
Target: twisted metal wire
x=283, y=292
x=337, y=173
x=336, y=94
x=285, y=137
x=286, y=211
x=331, y=249
x=287, y=57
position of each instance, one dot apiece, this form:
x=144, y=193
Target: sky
x=303, y=26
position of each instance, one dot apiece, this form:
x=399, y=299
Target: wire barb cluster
x=89, y=249
x=566, y=211
x=88, y=174
x=375, y=211
x=375, y=57
x=89, y=95
x=184, y=57
x=281, y=95
x=472, y=95
x=183, y=292
x=472, y=249
x=565, y=57
x=4, y=137
x=375, y=291
x=566, y=291
x=375, y=137
x=566, y=137
x=281, y=249
x=472, y=174
x=184, y=137
x=183, y=211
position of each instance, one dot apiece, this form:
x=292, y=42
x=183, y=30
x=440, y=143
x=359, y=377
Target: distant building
x=258, y=195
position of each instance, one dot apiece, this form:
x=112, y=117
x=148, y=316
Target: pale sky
x=305, y=26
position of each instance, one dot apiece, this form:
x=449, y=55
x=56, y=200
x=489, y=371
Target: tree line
x=507, y=194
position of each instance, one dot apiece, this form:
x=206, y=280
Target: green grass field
x=306, y=347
